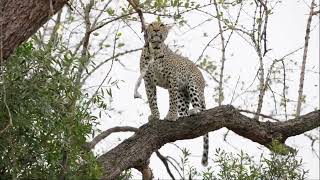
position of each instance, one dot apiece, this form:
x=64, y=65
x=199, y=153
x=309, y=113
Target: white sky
x=286, y=30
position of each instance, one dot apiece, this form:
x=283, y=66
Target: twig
x=112, y=62
x=110, y=21
x=274, y=98
x=304, y=60
x=263, y=35
x=284, y=90
x=313, y=140
x=207, y=45
x=257, y=43
x=53, y=36
x=107, y=132
x=171, y=160
x=165, y=163
x=234, y=25
x=263, y=4
x=102, y=11
x=262, y=115
x=84, y=52
x=105, y=61
x=234, y=90
x=210, y=74
x=139, y=11
x=223, y=57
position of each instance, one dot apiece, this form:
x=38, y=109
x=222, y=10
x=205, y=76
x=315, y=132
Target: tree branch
x=18, y=25
x=136, y=150
x=165, y=163
x=304, y=59
x=106, y=133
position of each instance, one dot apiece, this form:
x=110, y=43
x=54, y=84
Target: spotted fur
x=176, y=73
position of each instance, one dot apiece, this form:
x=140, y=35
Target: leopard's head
x=157, y=33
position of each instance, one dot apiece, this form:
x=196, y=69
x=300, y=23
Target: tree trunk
x=19, y=19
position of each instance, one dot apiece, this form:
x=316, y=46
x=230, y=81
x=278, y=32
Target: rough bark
x=19, y=19
x=135, y=151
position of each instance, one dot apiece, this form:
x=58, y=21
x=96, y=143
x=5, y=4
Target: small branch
x=261, y=36
x=263, y=4
x=234, y=90
x=262, y=115
x=54, y=34
x=304, y=60
x=85, y=53
x=165, y=163
x=207, y=45
x=110, y=21
x=174, y=163
x=105, y=61
x=111, y=66
x=223, y=54
x=106, y=133
x=284, y=90
x=139, y=11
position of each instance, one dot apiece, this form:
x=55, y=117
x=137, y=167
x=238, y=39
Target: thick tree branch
x=20, y=19
x=136, y=150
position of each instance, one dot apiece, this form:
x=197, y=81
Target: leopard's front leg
x=173, y=100
x=151, y=90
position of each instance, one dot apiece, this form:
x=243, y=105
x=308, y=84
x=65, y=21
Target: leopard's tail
x=204, y=160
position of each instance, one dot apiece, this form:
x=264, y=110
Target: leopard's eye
x=162, y=25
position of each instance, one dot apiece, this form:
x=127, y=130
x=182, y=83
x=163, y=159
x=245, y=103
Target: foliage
x=49, y=121
x=125, y=175
x=241, y=166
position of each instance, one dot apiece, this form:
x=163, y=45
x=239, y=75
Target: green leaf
x=120, y=45
x=110, y=11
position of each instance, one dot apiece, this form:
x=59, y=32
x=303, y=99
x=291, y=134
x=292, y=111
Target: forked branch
x=136, y=150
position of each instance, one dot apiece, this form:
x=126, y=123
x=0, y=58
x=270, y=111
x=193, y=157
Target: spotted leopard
x=174, y=72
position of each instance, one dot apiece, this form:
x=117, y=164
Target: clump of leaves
x=241, y=166
x=49, y=124
x=125, y=175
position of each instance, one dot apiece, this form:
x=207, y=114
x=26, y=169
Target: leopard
x=176, y=73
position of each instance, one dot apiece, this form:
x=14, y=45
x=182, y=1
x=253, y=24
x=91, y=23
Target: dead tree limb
x=136, y=150
x=21, y=19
